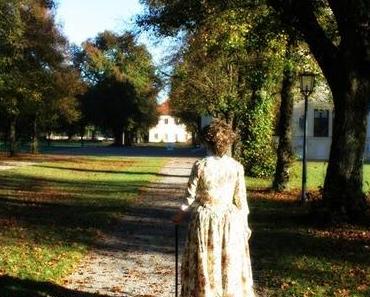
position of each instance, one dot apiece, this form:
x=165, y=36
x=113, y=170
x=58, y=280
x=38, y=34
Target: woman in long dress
x=216, y=261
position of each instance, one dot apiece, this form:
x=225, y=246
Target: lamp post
x=307, y=80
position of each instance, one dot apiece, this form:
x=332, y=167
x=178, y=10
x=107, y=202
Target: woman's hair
x=219, y=135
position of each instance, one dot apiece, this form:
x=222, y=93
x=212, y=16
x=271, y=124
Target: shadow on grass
x=110, y=171
x=134, y=151
x=53, y=209
x=285, y=246
x=11, y=287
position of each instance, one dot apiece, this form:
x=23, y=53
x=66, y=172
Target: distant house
x=320, y=117
x=168, y=129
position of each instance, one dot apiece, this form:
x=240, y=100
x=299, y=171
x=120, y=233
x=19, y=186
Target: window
x=156, y=135
x=321, y=123
x=166, y=121
x=177, y=121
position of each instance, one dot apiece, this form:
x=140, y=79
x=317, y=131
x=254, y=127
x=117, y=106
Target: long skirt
x=216, y=261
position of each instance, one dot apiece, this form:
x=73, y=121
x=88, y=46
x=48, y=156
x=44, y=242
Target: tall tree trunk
x=193, y=138
x=49, y=138
x=12, y=136
x=93, y=134
x=82, y=134
x=285, y=150
x=128, y=138
x=342, y=192
x=34, y=139
x=118, y=137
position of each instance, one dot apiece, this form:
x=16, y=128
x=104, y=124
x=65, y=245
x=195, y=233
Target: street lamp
x=307, y=80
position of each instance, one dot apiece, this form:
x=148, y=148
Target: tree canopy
x=338, y=34
x=123, y=84
x=32, y=52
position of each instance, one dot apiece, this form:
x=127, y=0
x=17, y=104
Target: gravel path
x=137, y=258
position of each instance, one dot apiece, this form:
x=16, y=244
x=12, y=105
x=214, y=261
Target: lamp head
x=307, y=81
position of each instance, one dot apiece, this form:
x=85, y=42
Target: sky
x=83, y=19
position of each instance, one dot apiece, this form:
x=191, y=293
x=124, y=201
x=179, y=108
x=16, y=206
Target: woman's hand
x=178, y=217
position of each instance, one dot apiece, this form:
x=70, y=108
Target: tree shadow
x=285, y=244
x=135, y=151
x=110, y=171
x=74, y=210
x=15, y=287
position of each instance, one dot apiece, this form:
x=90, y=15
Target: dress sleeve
x=240, y=198
x=191, y=190
x=240, y=194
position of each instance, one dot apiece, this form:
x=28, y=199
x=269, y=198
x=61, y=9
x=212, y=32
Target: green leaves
x=122, y=83
x=33, y=55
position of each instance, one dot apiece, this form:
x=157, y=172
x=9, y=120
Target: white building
x=320, y=116
x=169, y=129
x=319, y=130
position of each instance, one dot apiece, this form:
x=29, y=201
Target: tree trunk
x=128, y=138
x=342, y=193
x=34, y=139
x=82, y=134
x=12, y=136
x=93, y=134
x=193, y=138
x=285, y=150
x=49, y=138
x=118, y=137
x=346, y=67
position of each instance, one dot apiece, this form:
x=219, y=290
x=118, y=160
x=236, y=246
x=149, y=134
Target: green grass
x=316, y=172
x=293, y=257
x=51, y=212
x=44, y=147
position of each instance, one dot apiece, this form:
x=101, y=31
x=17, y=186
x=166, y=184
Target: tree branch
x=300, y=14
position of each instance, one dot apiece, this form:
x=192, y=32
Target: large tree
x=123, y=84
x=344, y=58
x=218, y=73
x=32, y=50
x=343, y=53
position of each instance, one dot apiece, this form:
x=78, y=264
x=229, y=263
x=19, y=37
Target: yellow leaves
x=309, y=293
x=342, y=293
x=363, y=287
x=284, y=286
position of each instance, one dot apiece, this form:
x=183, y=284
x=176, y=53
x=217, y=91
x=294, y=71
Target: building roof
x=164, y=108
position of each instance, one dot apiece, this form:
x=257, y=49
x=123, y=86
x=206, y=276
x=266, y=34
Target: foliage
x=220, y=72
x=122, y=84
x=66, y=89
x=33, y=51
x=256, y=129
x=337, y=34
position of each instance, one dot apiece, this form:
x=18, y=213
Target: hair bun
x=219, y=135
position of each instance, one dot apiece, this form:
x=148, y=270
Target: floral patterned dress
x=216, y=261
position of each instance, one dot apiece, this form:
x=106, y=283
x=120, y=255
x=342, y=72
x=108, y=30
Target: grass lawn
x=293, y=256
x=316, y=172
x=51, y=212
x=45, y=147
